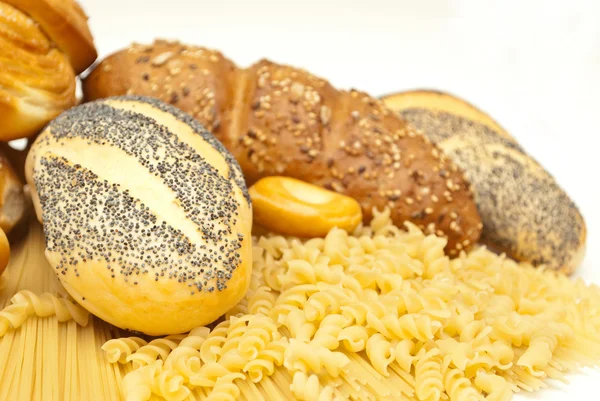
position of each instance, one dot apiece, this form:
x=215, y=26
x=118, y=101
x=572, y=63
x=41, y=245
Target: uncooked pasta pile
x=378, y=315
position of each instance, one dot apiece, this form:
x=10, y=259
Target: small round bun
x=147, y=217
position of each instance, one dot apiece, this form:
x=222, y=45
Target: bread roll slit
x=151, y=191
x=183, y=131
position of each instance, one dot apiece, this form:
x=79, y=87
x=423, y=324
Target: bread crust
x=65, y=23
x=524, y=211
x=36, y=80
x=4, y=251
x=12, y=200
x=280, y=120
x=146, y=216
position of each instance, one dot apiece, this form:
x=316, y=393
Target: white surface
x=533, y=65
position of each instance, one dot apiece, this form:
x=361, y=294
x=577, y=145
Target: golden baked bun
x=39, y=57
x=146, y=215
x=292, y=207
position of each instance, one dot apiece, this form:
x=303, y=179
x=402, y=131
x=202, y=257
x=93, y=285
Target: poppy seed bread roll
x=146, y=216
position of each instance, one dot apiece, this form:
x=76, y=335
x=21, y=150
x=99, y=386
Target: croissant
x=43, y=44
x=279, y=120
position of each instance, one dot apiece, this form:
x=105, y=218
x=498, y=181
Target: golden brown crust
x=524, y=211
x=4, y=251
x=442, y=101
x=65, y=23
x=278, y=120
x=36, y=80
x=12, y=199
x=176, y=74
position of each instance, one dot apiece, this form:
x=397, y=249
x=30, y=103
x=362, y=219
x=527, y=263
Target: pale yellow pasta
x=382, y=314
x=327, y=335
x=118, y=350
x=380, y=353
x=541, y=347
x=406, y=354
x=12, y=317
x=457, y=386
x=184, y=361
x=267, y=359
x=26, y=303
x=155, y=349
x=261, y=301
x=224, y=390
x=409, y=326
x=137, y=385
x=354, y=338
x=170, y=385
x=307, y=388
x=210, y=373
x=428, y=376
x=300, y=356
x=496, y=387
x=297, y=324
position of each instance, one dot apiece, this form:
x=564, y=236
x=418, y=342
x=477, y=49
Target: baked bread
x=524, y=211
x=295, y=208
x=279, y=120
x=37, y=76
x=146, y=216
x=12, y=199
x=4, y=252
x=66, y=24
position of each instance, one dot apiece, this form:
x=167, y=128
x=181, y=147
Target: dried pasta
x=26, y=303
x=379, y=314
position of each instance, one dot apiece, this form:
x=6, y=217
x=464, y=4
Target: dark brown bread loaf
x=279, y=120
x=525, y=213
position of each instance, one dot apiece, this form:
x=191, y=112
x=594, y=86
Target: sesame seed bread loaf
x=39, y=58
x=279, y=120
x=524, y=211
x=146, y=215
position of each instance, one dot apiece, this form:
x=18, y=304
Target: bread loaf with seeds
x=279, y=120
x=146, y=215
x=525, y=213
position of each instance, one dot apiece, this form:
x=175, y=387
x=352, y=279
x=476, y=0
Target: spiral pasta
x=380, y=353
x=224, y=390
x=155, y=349
x=26, y=303
x=428, y=377
x=307, y=388
x=118, y=350
x=379, y=314
x=137, y=385
x=267, y=359
x=457, y=386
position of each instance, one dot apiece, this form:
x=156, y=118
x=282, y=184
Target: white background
x=533, y=65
